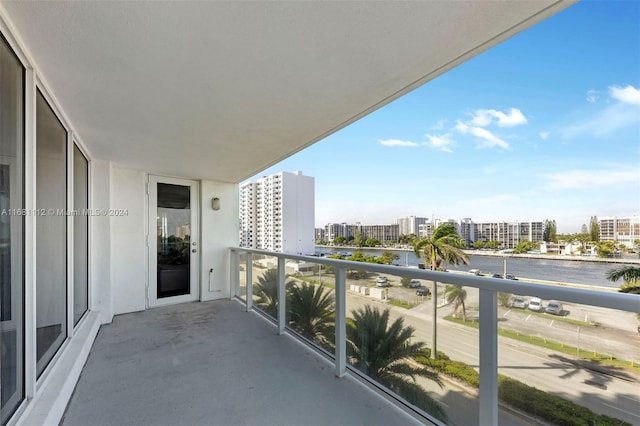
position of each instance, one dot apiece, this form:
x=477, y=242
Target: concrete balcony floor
x=211, y=363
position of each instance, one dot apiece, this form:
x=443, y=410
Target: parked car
x=496, y=276
x=510, y=277
x=414, y=284
x=554, y=308
x=535, y=304
x=382, y=282
x=423, y=291
x=474, y=271
x=519, y=302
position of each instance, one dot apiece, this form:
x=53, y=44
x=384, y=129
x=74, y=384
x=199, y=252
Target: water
x=562, y=271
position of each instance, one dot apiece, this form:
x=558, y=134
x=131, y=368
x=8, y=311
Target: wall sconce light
x=215, y=203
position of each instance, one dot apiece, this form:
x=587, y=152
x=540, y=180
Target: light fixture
x=215, y=203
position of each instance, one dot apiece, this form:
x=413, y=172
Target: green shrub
x=549, y=407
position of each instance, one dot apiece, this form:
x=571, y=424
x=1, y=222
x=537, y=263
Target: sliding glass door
x=51, y=233
x=12, y=78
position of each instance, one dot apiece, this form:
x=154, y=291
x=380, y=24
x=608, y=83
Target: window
x=11, y=231
x=51, y=231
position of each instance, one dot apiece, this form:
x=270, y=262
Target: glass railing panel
x=242, y=275
x=311, y=302
x=567, y=363
x=390, y=339
x=265, y=284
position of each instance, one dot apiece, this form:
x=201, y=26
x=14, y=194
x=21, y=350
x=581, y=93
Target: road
x=535, y=366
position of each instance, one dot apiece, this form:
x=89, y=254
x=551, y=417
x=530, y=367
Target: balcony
x=578, y=364
x=213, y=363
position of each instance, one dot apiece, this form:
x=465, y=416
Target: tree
x=493, y=244
x=387, y=257
x=629, y=274
x=605, y=248
x=525, y=246
x=405, y=281
x=267, y=291
x=321, y=242
x=383, y=350
x=408, y=239
x=550, y=230
x=504, y=298
x=339, y=240
x=445, y=245
x=358, y=238
x=478, y=244
x=371, y=242
x=456, y=295
x=312, y=312
x=594, y=229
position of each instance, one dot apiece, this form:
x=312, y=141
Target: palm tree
x=444, y=245
x=631, y=277
x=456, y=295
x=312, y=313
x=383, y=351
x=267, y=291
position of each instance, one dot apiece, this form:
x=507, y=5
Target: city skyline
x=544, y=126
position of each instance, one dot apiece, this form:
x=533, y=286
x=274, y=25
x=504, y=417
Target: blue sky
x=545, y=125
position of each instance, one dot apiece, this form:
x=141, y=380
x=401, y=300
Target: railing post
x=341, y=322
x=488, y=358
x=233, y=282
x=282, y=297
x=249, y=301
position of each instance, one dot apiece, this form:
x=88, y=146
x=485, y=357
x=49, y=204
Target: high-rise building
x=410, y=224
x=622, y=230
x=277, y=213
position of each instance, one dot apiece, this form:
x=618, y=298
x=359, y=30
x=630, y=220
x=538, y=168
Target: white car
x=382, y=282
x=414, y=284
x=519, y=302
x=554, y=307
x=535, y=304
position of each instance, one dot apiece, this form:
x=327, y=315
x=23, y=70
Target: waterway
x=561, y=271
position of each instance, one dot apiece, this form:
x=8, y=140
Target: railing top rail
x=621, y=301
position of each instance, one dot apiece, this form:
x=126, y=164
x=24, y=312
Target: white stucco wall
x=219, y=232
x=128, y=250
x=100, y=241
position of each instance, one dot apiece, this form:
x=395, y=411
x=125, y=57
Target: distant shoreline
x=501, y=255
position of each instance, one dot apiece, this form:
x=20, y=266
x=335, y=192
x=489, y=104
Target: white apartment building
x=277, y=213
x=248, y=215
x=623, y=230
x=410, y=224
x=510, y=234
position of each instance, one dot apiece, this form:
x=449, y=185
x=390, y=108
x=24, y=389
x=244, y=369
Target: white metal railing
x=488, y=289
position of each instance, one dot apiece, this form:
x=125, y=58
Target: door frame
x=152, y=299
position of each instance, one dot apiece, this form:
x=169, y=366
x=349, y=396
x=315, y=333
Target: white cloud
x=592, y=96
x=486, y=138
x=440, y=143
x=439, y=125
x=627, y=95
x=612, y=118
x=585, y=179
x=544, y=135
x=397, y=142
x=484, y=117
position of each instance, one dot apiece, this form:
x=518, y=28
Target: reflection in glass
x=174, y=236
x=51, y=231
x=11, y=232
x=80, y=234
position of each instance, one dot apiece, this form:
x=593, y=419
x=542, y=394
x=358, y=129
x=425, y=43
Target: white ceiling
x=223, y=90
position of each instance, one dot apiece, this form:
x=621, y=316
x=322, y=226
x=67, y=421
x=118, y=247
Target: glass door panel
x=173, y=247
x=174, y=237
